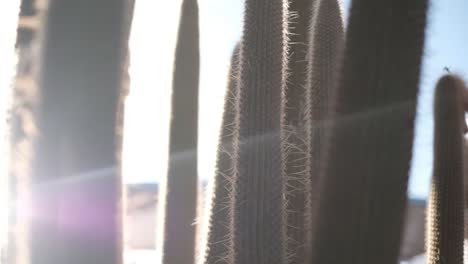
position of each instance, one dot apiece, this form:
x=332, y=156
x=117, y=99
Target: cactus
x=179, y=191
x=465, y=180
x=219, y=237
x=445, y=220
x=75, y=215
x=295, y=146
x=326, y=43
x=259, y=230
x=363, y=193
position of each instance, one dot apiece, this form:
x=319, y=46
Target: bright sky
x=220, y=29
x=152, y=52
x=8, y=15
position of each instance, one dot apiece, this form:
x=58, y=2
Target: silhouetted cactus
x=445, y=220
x=219, y=236
x=325, y=47
x=179, y=191
x=465, y=182
x=74, y=214
x=295, y=145
x=363, y=193
x=259, y=229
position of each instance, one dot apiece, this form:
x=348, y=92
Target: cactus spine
x=363, y=192
x=295, y=146
x=326, y=43
x=259, y=230
x=445, y=219
x=179, y=191
x=219, y=237
x=75, y=208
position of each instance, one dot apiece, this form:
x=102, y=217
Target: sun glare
x=9, y=18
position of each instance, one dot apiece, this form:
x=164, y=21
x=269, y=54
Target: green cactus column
x=445, y=219
x=259, y=220
x=75, y=214
x=295, y=143
x=359, y=216
x=219, y=237
x=179, y=190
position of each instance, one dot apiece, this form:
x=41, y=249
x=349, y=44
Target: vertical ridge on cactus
x=445, y=219
x=363, y=193
x=179, y=191
x=259, y=230
x=326, y=43
x=75, y=214
x=219, y=237
x=295, y=146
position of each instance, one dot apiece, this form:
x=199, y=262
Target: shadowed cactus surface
x=363, y=193
x=179, y=190
x=326, y=43
x=258, y=215
x=445, y=220
x=75, y=194
x=219, y=237
x=295, y=144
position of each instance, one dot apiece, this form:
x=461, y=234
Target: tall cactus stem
x=363, y=188
x=294, y=144
x=259, y=230
x=325, y=47
x=219, y=237
x=445, y=219
x=75, y=213
x=179, y=190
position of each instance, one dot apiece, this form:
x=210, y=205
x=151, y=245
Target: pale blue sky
x=221, y=21
x=447, y=36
